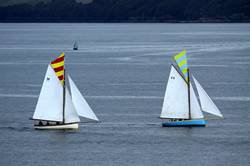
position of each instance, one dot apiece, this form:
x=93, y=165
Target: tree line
x=129, y=11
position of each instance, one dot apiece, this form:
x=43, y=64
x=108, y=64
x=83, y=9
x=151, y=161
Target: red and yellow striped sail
x=58, y=66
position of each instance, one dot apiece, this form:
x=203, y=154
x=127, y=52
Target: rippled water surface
x=122, y=70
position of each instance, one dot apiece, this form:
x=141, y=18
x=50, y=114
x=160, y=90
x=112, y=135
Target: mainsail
x=50, y=102
x=81, y=105
x=207, y=104
x=175, y=103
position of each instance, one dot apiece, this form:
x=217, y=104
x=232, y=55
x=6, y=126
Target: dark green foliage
x=129, y=11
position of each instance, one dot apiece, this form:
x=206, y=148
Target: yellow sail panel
x=181, y=60
x=58, y=66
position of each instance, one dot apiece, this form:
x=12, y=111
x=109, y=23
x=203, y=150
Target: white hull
x=58, y=127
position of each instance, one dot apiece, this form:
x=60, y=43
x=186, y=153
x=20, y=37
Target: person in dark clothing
x=40, y=123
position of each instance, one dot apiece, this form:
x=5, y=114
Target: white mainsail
x=71, y=115
x=207, y=104
x=175, y=103
x=81, y=105
x=50, y=103
x=196, y=112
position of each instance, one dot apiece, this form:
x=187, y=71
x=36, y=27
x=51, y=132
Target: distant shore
x=145, y=21
x=126, y=11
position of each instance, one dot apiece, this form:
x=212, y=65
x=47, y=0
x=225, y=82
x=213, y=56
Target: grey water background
x=122, y=70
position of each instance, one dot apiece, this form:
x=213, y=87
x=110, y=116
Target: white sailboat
x=59, y=106
x=181, y=106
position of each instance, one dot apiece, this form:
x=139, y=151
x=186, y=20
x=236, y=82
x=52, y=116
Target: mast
x=58, y=67
x=64, y=95
x=189, y=105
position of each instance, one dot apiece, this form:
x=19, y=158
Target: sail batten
x=207, y=104
x=81, y=105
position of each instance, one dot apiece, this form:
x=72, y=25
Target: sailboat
x=60, y=104
x=181, y=106
x=75, y=47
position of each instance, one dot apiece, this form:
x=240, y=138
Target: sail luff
x=207, y=104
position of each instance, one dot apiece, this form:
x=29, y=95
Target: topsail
x=181, y=60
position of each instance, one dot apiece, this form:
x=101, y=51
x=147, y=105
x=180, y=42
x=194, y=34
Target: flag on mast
x=181, y=60
x=58, y=66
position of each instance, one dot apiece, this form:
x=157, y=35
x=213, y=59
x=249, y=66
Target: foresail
x=81, y=105
x=196, y=112
x=207, y=104
x=50, y=102
x=175, y=103
x=71, y=115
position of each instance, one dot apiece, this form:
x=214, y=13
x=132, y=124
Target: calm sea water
x=122, y=70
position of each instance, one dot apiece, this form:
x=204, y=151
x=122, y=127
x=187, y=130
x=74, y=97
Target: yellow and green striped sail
x=181, y=60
